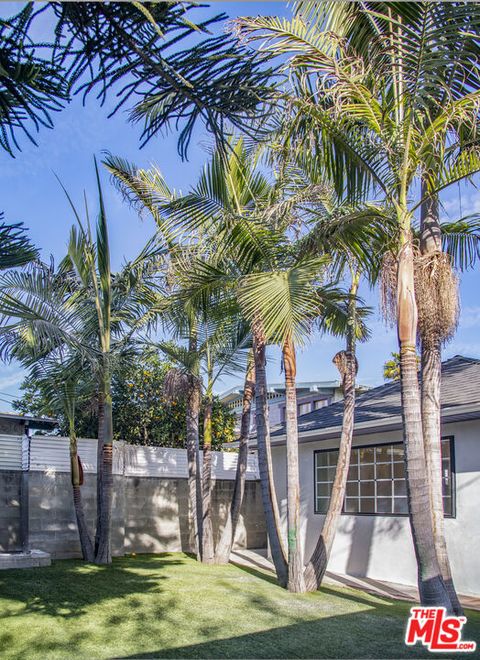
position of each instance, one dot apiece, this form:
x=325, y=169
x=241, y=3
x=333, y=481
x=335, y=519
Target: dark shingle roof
x=460, y=386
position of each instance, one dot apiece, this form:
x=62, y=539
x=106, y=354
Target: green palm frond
x=15, y=247
x=133, y=50
x=461, y=240
x=32, y=88
x=287, y=301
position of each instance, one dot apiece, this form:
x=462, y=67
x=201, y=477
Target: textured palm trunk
x=208, y=549
x=269, y=499
x=227, y=539
x=104, y=550
x=86, y=544
x=296, y=581
x=101, y=419
x=430, y=243
x=194, y=493
x=346, y=363
x=431, y=586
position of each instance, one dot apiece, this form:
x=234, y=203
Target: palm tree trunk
x=86, y=544
x=296, y=582
x=104, y=551
x=194, y=496
x=431, y=586
x=227, y=539
x=101, y=420
x=208, y=550
x=269, y=499
x=430, y=243
x=346, y=362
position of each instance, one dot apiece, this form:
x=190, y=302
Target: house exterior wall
x=381, y=547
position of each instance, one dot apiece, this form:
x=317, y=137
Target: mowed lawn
x=170, y=606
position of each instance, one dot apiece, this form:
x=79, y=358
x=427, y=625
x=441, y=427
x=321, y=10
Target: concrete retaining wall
x=150, y=514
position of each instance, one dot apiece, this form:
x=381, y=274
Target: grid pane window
x=376, y=480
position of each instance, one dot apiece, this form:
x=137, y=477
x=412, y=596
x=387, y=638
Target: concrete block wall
x=149, y=514
x=10, y=481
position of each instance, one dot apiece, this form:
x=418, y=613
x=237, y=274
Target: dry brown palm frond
x=176, y=384
x=436, y=293
x=388, y=288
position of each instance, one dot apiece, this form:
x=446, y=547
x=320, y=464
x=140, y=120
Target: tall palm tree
x=26, y=297
x=223, y=205
x=287, y=300
x=64, y=383
x=95, y=316
x=369, y=116
x=227, y=538
x=218, y=349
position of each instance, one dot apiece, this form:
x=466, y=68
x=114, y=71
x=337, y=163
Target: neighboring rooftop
x=322, y=386
x=40, y=423
x=379, y=409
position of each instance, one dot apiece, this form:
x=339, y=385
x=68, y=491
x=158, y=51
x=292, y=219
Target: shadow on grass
x=337, y=636
x=68, y=587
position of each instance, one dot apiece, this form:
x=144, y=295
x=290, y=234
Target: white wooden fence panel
x=48, y=453
x=155, y=461
x=10, y=452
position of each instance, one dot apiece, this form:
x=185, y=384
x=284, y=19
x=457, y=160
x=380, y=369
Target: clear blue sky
x=30, y=193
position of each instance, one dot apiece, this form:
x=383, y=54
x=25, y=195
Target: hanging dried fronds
x=436, y=293
x=388, y=288
x=176, y=384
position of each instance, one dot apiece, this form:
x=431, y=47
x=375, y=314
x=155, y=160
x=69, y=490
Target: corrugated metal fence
x=49, y=453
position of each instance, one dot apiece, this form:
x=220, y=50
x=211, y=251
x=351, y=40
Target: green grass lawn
x=171, y=606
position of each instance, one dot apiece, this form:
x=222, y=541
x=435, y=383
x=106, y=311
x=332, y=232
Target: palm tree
x=227, y=539
x=287, y=300
x=64, y=384
x=95, y=316
x=41, y=293
x=371, y=113
x=222, y=206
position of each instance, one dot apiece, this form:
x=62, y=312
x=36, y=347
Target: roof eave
x=449, y=415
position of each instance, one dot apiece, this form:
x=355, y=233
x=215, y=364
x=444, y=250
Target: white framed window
x=376, y=482
x=304, y=408
x=320, y=403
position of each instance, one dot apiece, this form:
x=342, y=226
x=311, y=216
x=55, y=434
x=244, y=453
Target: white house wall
x=381, y=547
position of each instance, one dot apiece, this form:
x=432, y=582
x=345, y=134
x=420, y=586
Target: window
x=376, y=480
x=320, y=403
x=304, y=408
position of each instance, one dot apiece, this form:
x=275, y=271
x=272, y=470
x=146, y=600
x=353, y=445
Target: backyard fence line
x=51, y=454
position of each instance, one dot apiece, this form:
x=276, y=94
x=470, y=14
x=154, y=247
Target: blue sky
x=31, y=194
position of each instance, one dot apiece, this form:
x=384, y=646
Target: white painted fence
x=10, y=452
x=51, y=454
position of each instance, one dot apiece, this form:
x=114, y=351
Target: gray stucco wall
x=149, y=514
x=381, y=547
